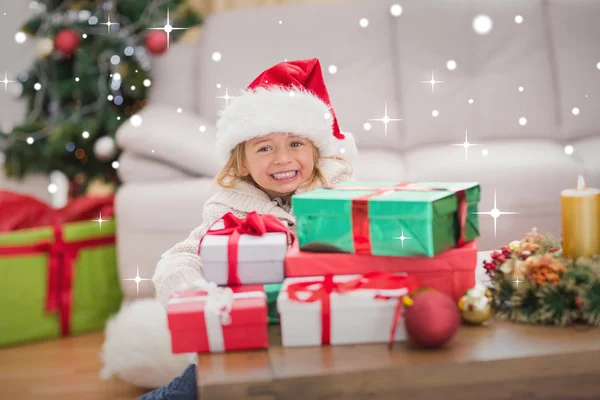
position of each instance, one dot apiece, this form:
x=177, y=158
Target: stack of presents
x=359, y=249
x=339, y=279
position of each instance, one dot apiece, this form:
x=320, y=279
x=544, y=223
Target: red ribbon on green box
x=61, y=260
x=361, y=235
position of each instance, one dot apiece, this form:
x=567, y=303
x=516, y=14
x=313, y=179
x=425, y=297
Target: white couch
x=168, y=162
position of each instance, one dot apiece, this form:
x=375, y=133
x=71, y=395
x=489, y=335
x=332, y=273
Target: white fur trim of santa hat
x=262, y=111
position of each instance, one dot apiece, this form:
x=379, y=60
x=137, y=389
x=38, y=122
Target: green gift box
x=57, y=282
x=272, y=291
x=417, y=219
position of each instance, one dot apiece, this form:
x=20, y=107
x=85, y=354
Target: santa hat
x=290, y=97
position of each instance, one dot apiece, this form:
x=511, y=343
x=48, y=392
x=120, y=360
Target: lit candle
x=580, y=221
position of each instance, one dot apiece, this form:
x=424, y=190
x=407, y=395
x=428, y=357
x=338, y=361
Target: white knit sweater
x=181, y=265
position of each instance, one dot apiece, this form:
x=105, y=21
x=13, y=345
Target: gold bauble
x=476, y=305
x=45, y=46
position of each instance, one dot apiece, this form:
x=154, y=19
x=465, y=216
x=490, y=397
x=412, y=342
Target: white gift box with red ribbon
x=343, y=309
x=245, y=251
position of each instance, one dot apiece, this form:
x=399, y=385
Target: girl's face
x=279, y=162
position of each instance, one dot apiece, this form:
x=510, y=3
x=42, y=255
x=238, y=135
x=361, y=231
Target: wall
x=15, y=58
x=207, y=7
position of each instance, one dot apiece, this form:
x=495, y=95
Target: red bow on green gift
x=361, y=231
x=320, y=290
x=253, y=224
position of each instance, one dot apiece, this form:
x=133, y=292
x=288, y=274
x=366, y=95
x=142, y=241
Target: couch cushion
x=174, y=138
x=575, y=31
x=527, y=175
x=170, y=88
x=588, y=151
x=490, y=68
x=365, y=77
x=378, y=165
x=135, y=168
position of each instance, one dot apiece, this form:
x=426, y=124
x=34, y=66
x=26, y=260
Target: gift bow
x=219, y=300
x=361, y=231
x=321, y=290
x=253, y=224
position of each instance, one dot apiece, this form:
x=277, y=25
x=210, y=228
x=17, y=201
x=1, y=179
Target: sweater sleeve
x=336, y=170
x=181, y=265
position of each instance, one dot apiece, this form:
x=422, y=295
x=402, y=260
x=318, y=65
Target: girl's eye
x=296, y=144
x=263, y=149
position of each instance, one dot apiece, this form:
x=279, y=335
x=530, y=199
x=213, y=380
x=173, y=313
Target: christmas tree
x=92, y=74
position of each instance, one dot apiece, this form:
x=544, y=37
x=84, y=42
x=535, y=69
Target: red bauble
x=433, y=319
x=67, y=41
x=156, y=42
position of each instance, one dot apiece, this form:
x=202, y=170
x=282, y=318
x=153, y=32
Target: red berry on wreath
x=67, y=41
x=156, y=42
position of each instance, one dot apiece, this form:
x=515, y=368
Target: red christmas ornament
x=67, y=41
x=156, y=42
x=432, y=319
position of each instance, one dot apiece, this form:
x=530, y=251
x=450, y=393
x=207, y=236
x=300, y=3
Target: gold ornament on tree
x=476, y=305
x=45, y=46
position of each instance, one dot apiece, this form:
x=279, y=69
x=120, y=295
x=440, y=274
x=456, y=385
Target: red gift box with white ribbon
x=212, y=319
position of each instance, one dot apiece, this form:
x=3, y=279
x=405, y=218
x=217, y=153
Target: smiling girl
x=280, y=137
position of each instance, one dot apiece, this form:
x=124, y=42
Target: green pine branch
x=575, y=298
x=75, y=94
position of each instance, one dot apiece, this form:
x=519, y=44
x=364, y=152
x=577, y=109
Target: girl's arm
x=181, y=265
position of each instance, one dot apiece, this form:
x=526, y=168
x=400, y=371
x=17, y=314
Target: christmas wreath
x=533, y=282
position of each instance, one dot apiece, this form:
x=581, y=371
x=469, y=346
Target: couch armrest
x=136, y=168
x=174, y=138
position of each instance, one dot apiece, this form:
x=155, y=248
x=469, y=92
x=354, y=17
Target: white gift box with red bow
x=244, y=258
x=354, y=311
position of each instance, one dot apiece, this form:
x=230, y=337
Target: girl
x=280, y=137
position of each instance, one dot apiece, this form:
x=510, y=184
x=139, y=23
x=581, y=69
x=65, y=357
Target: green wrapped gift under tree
x=58, y=269
x=388, y=218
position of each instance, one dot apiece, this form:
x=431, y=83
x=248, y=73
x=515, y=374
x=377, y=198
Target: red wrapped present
x=451, y=272
x=214, y=319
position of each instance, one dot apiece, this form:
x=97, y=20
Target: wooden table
x=499, y=361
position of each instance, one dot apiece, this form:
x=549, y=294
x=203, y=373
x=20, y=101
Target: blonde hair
x=231, y=173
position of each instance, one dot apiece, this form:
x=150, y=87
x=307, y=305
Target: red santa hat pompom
x=290, y=97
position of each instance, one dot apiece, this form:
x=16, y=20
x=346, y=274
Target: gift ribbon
x=217, y=309
x=320, y=290
x=61, y=259
x=361, y=233
x=253, y=224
